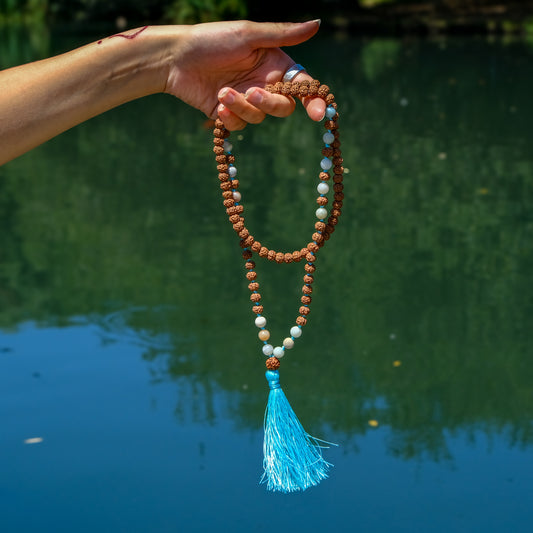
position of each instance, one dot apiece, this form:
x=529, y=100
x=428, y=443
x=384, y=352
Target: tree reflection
x=423, y=307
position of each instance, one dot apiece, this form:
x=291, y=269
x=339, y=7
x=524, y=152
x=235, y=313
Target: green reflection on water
x=430, y=266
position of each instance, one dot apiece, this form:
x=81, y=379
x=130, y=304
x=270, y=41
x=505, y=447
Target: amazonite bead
x=330, y=111
x=232, y=171
x=268, y=349
x=228, y=147
x=279, y=352
x=296, y=332
x=260, y=321
x=321, y=213
x=326, y=164
x=328, y=137
x=322, y=188
x=288, y=343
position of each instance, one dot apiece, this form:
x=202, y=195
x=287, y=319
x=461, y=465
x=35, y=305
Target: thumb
x=276, y=34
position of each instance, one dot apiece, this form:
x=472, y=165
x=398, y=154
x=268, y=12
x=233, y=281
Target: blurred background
x=131, y=380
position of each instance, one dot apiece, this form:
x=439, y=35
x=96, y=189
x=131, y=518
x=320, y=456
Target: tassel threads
x=292, y=458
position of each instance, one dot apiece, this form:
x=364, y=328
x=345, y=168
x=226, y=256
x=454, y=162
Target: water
x=127, y=348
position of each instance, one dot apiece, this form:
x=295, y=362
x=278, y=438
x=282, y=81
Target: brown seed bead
x=226, y=186
x=322, y=200
x=324, y=176
x=296, y=256
x=287, y=258
x=323, y=91
x=327, y=152
x=234, y=219
x=338, y=187
x=238, y=227
x=256, y=246
x=253, y=286
x=217, y=141
x=271, y=255
x=227, y=194
x=257, y=309
x=269, y=87
x=301, y=321
x=220, y=158
x=295, y=88
x=223, y=176
x=318, y=237
x=246, y=254
x=217, y=132
x=330, y=100
x=326, y=237
x=255, y=297
x=304, y=310
x=336, y=213
x=303, y=91
x=222, y=168
x=310, y=257
x=263, y=252
x=278, y=86
x=286, y=89
x=246, y=243
x=333, y=221
x=235, y=210
x=338, y=161
x=337, y=178
x=230, y=202
x=312, y=247
x=272, y=363
x=307, y=290
x=338, y=170
x=235, y=183
x=279, y=257
x=309, y=267
x=218, y=150
x=306, y=299
x=249, y=265
x=320, y=226
x=244, y=233
x=330, y=125
x=330, y=229
x=308, y=278
x=337, y=204
x=231, y=158
x=304, y=252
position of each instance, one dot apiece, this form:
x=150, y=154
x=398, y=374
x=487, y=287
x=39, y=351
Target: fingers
x=236, y=109
x=271, y=34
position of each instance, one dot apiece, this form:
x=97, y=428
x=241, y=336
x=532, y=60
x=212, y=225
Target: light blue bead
x=328, y=137
x=326, y=163
x=330, y=111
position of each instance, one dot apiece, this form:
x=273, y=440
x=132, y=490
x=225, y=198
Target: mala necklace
x=292, y=458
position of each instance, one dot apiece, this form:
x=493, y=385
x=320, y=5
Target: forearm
x=42, y=99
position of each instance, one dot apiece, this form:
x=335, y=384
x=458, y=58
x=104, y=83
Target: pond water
x=132, y=390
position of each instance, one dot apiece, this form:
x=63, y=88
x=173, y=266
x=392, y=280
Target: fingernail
x=316, y=21
x=254, y=97
x=227, y=96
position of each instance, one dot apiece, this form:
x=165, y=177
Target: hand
x=234, y=60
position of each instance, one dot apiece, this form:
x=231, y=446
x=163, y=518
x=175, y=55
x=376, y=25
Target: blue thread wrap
x=292, y=459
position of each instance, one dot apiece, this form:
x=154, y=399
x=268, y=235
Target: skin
x=218, y=68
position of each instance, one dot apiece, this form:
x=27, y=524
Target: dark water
x=127, y=343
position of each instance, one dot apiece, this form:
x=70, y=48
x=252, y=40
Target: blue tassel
x=292, y=458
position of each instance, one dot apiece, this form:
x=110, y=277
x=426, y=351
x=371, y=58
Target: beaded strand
x=324, y=227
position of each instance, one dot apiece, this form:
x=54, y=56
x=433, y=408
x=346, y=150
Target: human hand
x=222, y=67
